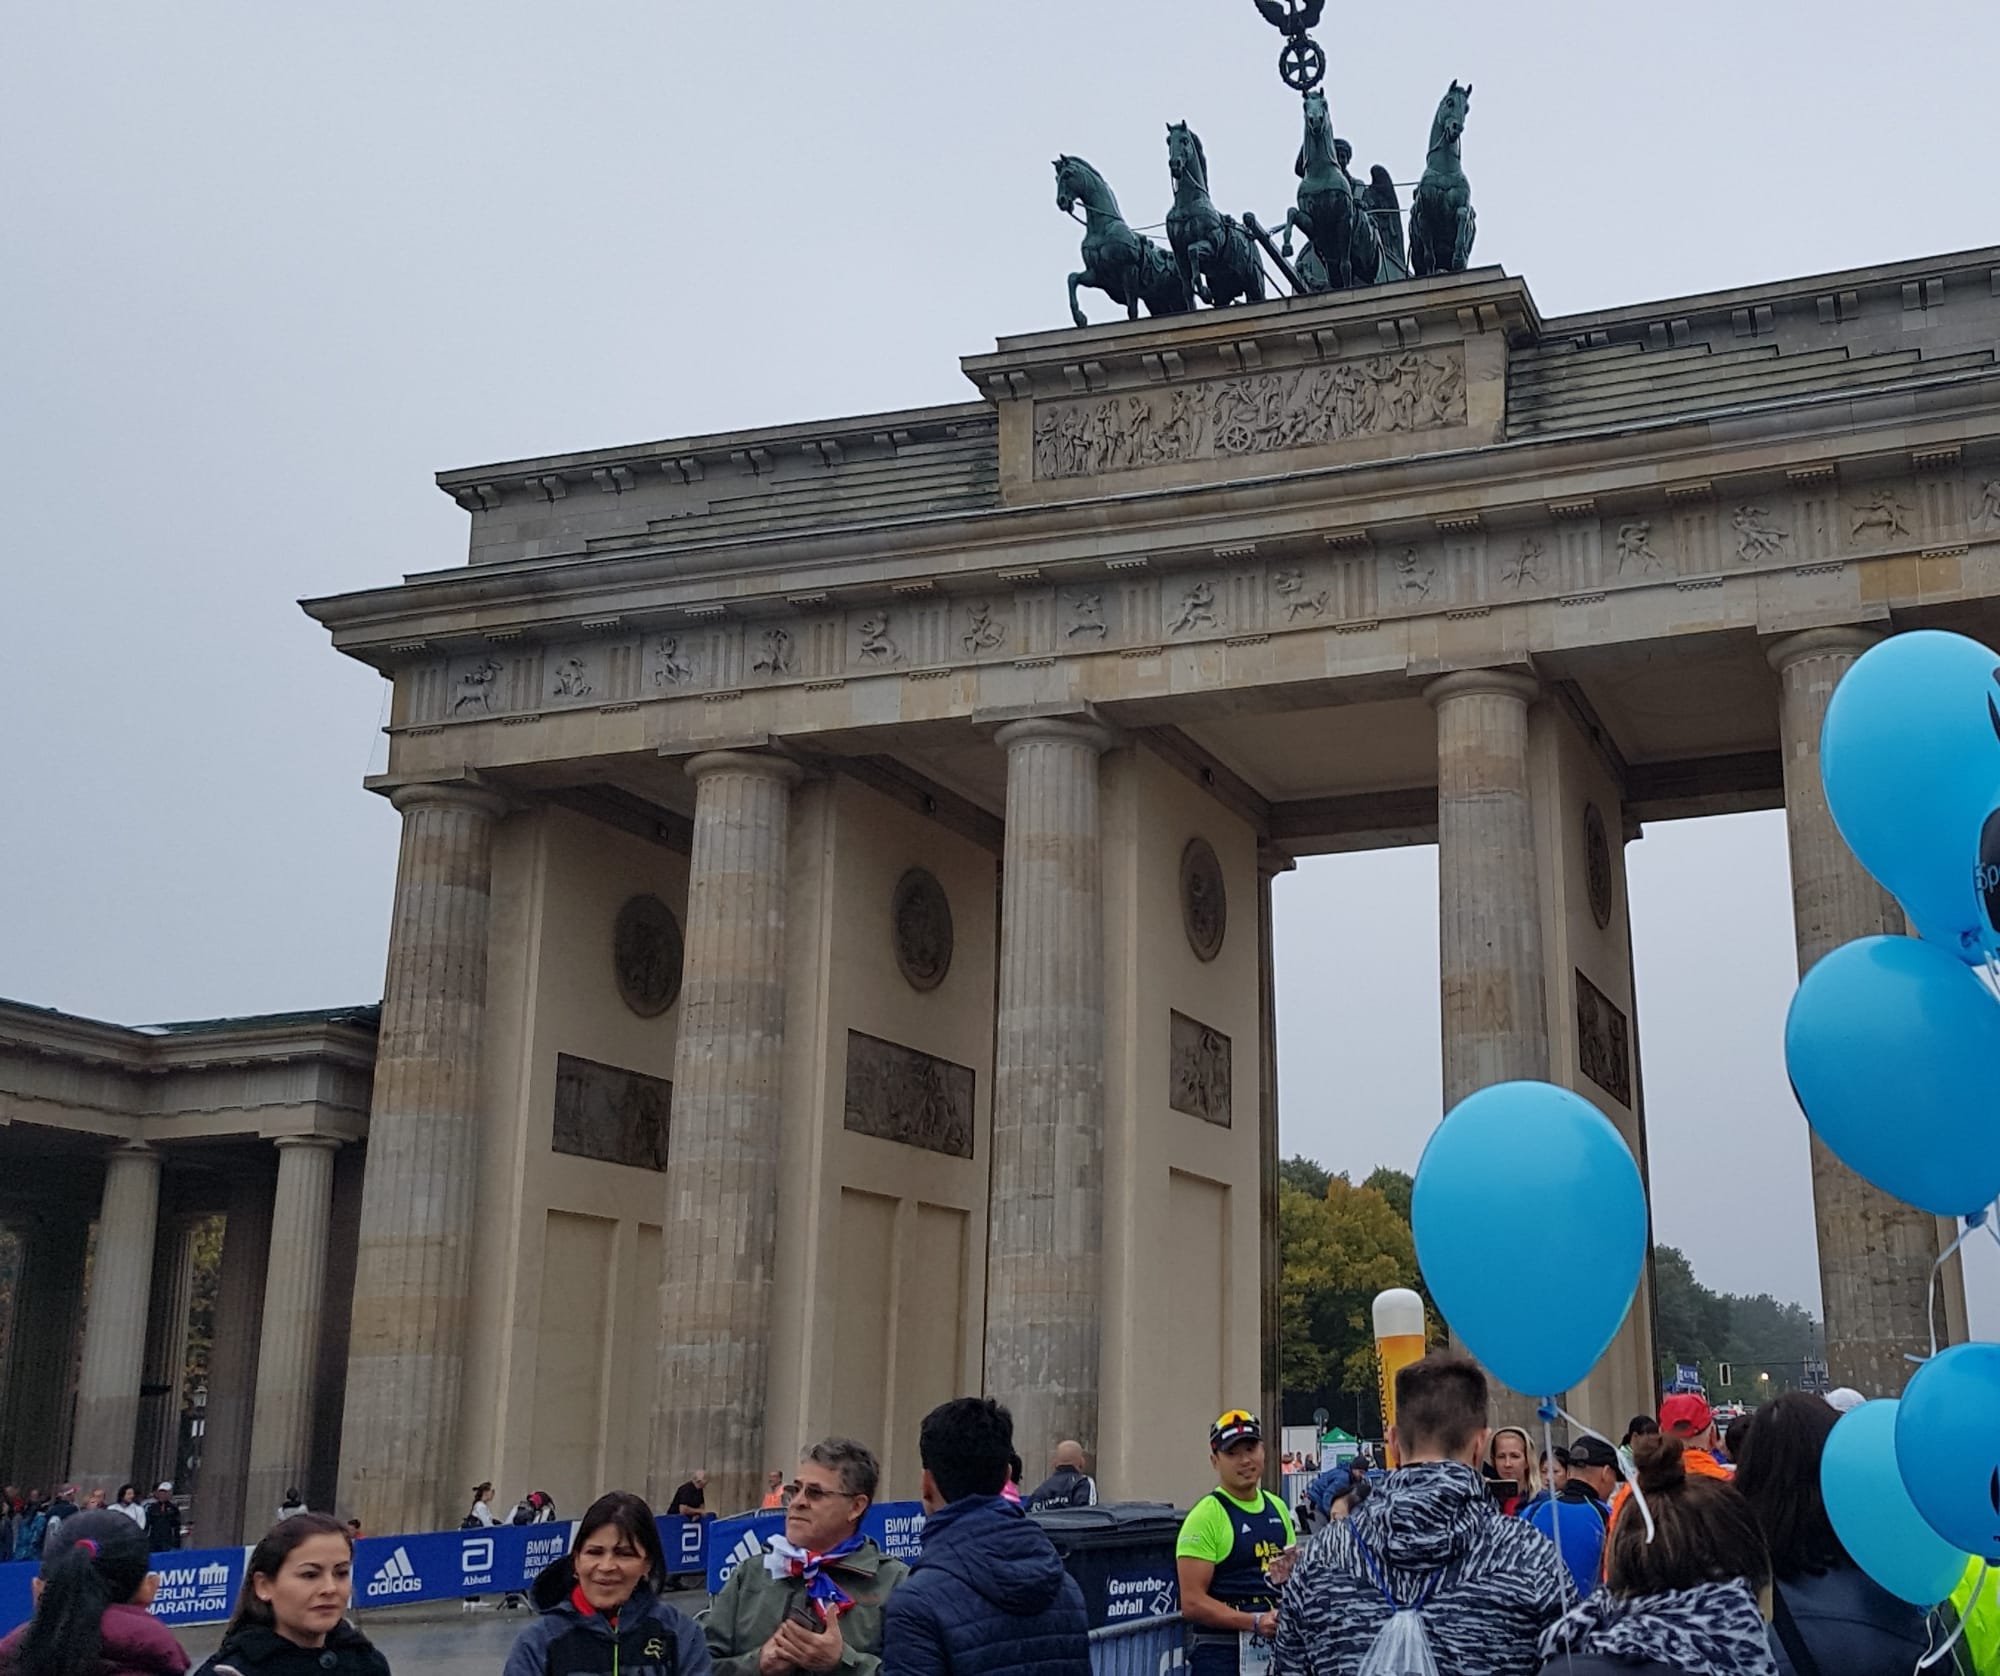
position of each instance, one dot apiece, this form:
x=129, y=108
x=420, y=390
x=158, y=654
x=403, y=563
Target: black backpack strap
x=1803, y=1663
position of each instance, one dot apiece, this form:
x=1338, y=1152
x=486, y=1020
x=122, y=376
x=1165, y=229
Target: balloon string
x=1973, y=1224
x=1547, y=1410
x=1964, y=1618
x=1626, y=1469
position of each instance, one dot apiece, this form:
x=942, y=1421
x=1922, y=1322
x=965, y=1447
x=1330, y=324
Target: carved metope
x=1228, y=418
x=612, y=1115
x=1199, y=1071
x=920, y=921
x=1204, y=899
x=916, y=1099
x=646, y=953
x=1603, y=1041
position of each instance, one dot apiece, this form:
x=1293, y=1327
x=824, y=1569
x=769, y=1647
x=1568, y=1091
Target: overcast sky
x=266, y=268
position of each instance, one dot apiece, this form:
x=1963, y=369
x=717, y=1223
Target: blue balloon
x=1948, y=1446
x=1577, y=1250
x=1873, y=1515
x=1910, y=757
x=1892, y=1046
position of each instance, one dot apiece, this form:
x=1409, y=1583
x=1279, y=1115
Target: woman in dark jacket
x=600, y=1604
x=1687, y=1602
x=90, y=1607
x=291, y=1618
x=1829, y=1618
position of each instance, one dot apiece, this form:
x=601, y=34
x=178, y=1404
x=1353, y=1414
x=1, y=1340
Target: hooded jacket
x=753, y=1604
x=1851, y=1625
x=652, y=1639
x=135, y=1644
x=1714, y=1629
x=990, y=1595
x=1489, y=1585
x=259, y=1650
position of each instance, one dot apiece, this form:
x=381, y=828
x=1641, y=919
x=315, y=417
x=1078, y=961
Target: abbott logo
x=475, y=1554
x=395, y=1577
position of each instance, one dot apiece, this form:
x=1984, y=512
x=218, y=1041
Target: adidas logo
x=747, y=1548
x=395, y=1576
x=1246, y=1530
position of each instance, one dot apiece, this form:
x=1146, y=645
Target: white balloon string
x=1981, y=1219
x=1549, y=1456
x=1964, y=1618
x=1626, y=1469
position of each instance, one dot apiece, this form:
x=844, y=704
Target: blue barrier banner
x=17, y=1595
x=732, y=1541
x=448, y=1565
x=685, y=1543
x=896, y=1526
x=898, y=1529
x=198, y=1586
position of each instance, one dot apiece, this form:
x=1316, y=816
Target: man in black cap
x=1234, y=1553
x=1579, y=1514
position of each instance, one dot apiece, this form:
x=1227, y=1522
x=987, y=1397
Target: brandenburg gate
x=830, y=966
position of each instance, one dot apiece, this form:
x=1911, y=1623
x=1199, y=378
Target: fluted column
x=1044, y=1277
x=413, y=1273
x=288, y=1350
x=722, y=1172
x=157, y=1455
x=232, y=1364
x=1270, y=1245
x=48, y=1307
x=114, y=1332
x=1875, y=1253
x=1495, y=1014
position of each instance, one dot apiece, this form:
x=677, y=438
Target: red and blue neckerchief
x=787, y=1559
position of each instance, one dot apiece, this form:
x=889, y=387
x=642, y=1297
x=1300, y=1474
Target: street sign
x=1687, y=1377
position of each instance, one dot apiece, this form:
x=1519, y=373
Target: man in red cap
x=1687, y=1416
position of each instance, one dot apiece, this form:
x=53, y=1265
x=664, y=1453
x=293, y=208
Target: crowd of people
x=1673, y=1554
x=30, y=1520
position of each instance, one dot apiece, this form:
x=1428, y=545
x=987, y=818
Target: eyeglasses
x=817, y=1493
x=1235, y=1417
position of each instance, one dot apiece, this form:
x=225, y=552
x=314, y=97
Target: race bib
x=1253, y=1654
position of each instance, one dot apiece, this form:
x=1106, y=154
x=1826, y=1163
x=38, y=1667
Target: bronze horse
x=1217, y=261
x=1127, y=267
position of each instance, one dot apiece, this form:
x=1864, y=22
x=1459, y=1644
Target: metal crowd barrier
x=1138, y=1647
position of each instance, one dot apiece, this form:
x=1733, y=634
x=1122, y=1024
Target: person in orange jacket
x=1687, y=1416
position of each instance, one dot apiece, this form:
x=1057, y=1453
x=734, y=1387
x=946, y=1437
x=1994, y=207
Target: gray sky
x=266, y=268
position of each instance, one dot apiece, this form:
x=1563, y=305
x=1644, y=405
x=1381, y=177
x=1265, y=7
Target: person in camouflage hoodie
x=1487, y=1587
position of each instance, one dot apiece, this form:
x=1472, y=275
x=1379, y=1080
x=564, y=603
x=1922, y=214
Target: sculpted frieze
x=1262, y=413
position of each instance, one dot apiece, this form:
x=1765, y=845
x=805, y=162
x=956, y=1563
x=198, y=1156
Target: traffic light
x=1722, y=1375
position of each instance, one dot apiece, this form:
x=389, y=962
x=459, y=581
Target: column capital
x=1271, y=860
x=1469, y=683
x=328, y=1143
x=764, y=764
x=1062, y=730
x=1848, y=638
x=449, y=794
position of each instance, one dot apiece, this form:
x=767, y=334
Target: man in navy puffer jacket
x=990, y=1594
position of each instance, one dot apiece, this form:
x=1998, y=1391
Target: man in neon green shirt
x=1981, y=1645
x=1234, y=1554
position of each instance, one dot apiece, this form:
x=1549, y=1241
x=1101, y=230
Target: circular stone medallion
x=646, y=954
x=920, y=920
x=1204, y=904
x=1597, y=865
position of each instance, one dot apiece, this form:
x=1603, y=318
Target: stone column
x=232, y=1364
x=165, y=1371
x=722, y=1175
x=1875, y=1253
x=288, y=1350
x=407, y=1357
x=48, y=1306
x=114, y=1332
x=1044, y=1277
x=1270, y=1244
x=1489, y=910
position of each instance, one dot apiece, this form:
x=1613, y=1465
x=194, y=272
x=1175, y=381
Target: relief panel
x=612, y=1115
x=898, y=1094
x=1234, y=418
